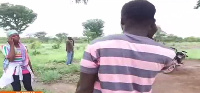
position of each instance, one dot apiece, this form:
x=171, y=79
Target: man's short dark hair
x=138, y=10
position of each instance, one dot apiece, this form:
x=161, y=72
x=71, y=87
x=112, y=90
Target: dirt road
x=185, y=80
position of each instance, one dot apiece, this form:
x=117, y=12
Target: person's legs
x=27, y=82
x=16, y=84
x=69, y=54
x=72, y=56
x=67, y=58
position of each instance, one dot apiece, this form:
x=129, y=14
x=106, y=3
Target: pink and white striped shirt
x=125, y=63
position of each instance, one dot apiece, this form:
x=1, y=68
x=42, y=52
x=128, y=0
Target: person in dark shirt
x=70, y=50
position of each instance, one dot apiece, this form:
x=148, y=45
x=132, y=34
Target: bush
x=56, y=46
x=3, y=39
x=35, y=45
x=35, y=53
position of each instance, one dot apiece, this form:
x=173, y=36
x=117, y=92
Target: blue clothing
x=70, y=56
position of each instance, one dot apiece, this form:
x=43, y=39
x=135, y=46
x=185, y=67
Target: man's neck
x=137, y=31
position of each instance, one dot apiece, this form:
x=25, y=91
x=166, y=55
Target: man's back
x=125, y=63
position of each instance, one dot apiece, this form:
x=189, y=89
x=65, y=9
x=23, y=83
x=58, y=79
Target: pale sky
x=173, y=16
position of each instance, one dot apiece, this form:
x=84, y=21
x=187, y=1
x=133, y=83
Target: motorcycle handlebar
x=174, y=48
x=184, y=51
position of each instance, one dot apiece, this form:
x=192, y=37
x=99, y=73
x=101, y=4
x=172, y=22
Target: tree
x=172, y=38
x=93, y=28
x=59, y=39
x=198, y=4
x=16, y=17
x=40, y=35
x=160, y=34
x=192, y=39
x=29, y=35
x=82, y=1
x=61, y=36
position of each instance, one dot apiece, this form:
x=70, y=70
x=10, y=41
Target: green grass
x=53, y=59
x=193, y=48
x=193, y=53
x=50, y=75
x=50, y=65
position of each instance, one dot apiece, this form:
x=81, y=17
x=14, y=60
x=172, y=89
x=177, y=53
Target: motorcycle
x=177, y=61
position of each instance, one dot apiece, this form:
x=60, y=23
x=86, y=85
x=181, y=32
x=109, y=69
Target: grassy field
x=193, y=48
x=50, y=65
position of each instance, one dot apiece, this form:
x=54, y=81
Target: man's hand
x=153, y=31
x=10, y=41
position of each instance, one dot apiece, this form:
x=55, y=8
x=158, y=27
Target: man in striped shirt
x=128, y=62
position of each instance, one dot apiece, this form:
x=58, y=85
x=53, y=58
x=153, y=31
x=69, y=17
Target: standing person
x=128, y=62
x=17, y=65
x=70, y=50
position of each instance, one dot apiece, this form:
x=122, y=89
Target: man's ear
x=122, y=21
x=154, y=27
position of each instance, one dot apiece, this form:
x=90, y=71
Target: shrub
x=56, y=46
x=35, y=45
x=35, y=53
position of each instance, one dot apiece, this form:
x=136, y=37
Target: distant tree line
x=46, y=39
x=162, y=36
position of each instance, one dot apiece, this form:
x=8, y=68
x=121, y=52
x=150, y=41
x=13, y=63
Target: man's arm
x=169, y=60
x=86, y=83
x=89, y=71
x=67, y=42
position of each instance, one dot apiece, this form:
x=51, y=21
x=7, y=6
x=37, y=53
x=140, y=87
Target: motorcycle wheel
x=169, y=69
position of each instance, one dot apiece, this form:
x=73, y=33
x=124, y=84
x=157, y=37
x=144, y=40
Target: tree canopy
x=93, y=28
x=80, y=1
x=61, y=36
x=40, y=35
x=16, y=17
x=198, y=4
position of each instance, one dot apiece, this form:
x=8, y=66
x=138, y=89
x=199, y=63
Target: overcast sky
x=174, y=16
